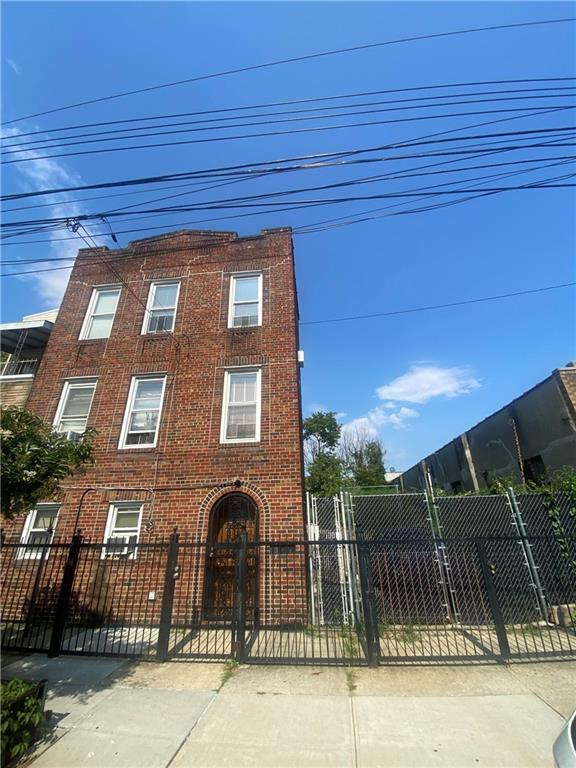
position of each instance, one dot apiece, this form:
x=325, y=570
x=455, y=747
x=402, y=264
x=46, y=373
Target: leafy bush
x=22, y=717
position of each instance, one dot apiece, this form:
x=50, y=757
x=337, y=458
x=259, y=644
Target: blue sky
x=417, y=379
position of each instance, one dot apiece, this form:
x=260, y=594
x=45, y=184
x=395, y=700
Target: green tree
x=368, y=465
x=35, y=459
x=362, y=455
x=325, y=477
x=321, y=434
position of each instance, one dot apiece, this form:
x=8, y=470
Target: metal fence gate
x=405, y=578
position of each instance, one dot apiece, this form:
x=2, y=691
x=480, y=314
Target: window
x=122, y=529
x=100, y=314
x=241, y=407
x=161, y=307
x=142, y=417
x=74, y=407
x=38, y=529
x=534, y=469
x=245, y=301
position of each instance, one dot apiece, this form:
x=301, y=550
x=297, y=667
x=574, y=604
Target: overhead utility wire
x=188, y=185
x=304, y=101
x=316, y=129
x=430, y=307
x=462, y=99
x=294, y=59
x=20, y=223
x=393, y=176
x=361, y=216
x=557, y=161
x=319, y=158
x=318, y=203
x=302, y=230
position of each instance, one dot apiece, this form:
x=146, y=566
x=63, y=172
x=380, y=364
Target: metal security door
x=233, y=515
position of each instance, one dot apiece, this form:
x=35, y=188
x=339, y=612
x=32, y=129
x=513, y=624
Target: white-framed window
x=241, y=406
x=161, y=307
x=142, y=416
x=245, y=308
x=100, y=313
x=38, y=529
x=122, y=530
x=74, y=407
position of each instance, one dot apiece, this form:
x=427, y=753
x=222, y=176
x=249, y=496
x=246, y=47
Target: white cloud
x=424, y=382
x=14, y=65
x=379, y=417
x=45, y=174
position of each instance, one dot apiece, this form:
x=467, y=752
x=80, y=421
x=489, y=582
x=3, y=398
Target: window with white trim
x=122, y=530
x=38, y=529
x=245, y=308
x=161, y=307
x=100, y=314
x=142, y=417
x=241, y=406
x=74, y=407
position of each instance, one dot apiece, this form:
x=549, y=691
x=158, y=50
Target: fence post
x=493, y=602
x=368, y=601
x=529, y=557
x=63, y=603
x=239, y=604
x=170, y=576
x=35, y=591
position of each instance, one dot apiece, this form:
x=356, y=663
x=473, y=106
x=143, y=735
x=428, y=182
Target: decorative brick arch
x=207, y=505
x=218, y=492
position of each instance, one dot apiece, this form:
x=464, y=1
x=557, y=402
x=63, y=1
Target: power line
x=153, y=130
x=257, y=201
x=394, y=176
x=316, y=129
x=307, y=101
x=437, y=306
x=294, y=59
x=482, y=192
x=320, y=158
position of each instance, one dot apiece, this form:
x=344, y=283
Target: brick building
x=181, y=352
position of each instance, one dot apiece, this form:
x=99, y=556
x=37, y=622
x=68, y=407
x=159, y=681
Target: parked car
x=565, y=745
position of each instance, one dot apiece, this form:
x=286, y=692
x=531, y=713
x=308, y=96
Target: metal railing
x=16, y=366
x=384, y=600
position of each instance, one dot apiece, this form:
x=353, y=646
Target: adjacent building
x=181, y=353
x=22, y=345
x=532, y=436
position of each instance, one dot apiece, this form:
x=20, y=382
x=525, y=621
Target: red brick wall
x=189, y=469
x=189, y=457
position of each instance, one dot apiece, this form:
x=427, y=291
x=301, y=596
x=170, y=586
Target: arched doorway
x=231, y=515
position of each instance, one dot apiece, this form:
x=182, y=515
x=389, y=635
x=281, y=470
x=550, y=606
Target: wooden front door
x=232, y=515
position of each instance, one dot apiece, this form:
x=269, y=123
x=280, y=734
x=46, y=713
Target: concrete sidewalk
x=118, y=713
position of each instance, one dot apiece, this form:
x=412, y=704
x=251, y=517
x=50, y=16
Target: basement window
x=142, y=417
x=101, y=312
x=241, y=407
x=122, y=530
x=38, y=529
x=161, y=307
x=74, y=408
x=245, y=308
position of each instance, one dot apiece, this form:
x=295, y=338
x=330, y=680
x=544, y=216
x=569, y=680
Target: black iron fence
x=400, y=599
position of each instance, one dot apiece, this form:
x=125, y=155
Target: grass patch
x=408, y=634
x=230, y=668
x=351, y=680
x=350, y=645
